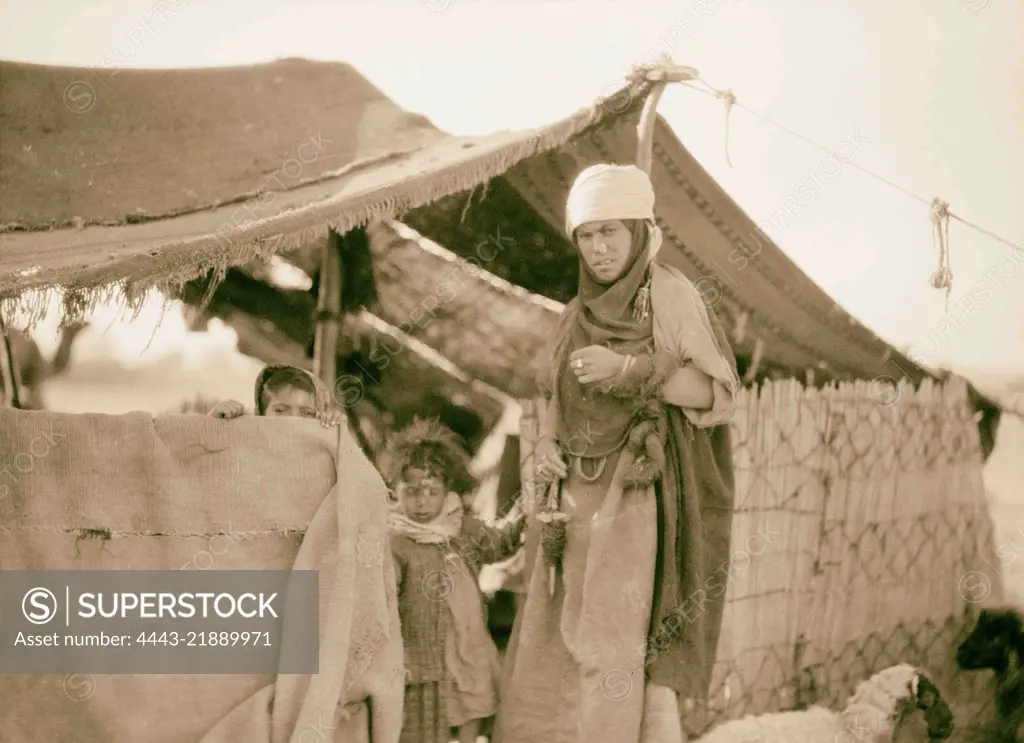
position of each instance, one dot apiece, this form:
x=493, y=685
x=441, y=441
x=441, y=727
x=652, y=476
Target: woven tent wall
x=861, y=538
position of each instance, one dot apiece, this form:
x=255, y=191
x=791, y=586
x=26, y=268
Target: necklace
x=598, y=470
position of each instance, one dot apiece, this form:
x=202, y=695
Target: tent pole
x=328, y=316
x=661, y=75
x=9, y=369
x=328, y=326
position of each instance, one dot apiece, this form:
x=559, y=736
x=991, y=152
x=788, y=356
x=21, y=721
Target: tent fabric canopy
x=131, y=232
x=168, y=175
x=111, y=146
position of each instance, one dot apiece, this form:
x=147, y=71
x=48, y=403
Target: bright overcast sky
x=930, y=89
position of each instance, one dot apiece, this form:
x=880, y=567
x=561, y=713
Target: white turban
x=604, y=192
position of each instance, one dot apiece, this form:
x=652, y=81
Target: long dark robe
x=696, y=497
x=695, y=502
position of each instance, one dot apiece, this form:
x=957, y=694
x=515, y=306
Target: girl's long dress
x=451, y=662
x=574, y=671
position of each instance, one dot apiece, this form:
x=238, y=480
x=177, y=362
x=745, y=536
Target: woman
x=623, y=610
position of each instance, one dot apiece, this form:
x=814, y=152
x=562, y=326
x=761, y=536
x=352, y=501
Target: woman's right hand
x=551, y=464
x=228, y=409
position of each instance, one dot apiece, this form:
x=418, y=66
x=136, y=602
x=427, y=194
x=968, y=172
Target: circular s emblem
x=39, y=605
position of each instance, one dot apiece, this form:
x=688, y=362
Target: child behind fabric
x=452, y=664
x=285, y=392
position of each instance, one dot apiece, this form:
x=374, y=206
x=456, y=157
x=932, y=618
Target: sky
x=922, y=92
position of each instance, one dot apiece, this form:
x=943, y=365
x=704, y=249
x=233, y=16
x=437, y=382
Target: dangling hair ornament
x=642, y=303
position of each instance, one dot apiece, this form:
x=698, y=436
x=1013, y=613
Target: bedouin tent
x=122, y=181
x=99, y=196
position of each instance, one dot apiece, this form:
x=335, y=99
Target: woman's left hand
x=595, y=364
x=330, y=417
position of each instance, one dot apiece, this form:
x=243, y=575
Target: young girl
x=285, y=391
x=451, y=660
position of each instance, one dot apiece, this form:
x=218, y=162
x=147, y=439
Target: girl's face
x=290, y=402
x=421, y=494
x=605, y=246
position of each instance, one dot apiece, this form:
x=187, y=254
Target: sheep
x=997, y=643
x=882, y=709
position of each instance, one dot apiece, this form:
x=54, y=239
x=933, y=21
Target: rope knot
x=653, y=71
x=730, y=99
x=942, y=278
x=940, y=210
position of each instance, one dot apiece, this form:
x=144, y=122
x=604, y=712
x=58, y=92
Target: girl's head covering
x=302, y=379
x=604, y=192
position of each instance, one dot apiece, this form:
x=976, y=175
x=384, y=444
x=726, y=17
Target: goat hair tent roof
x=128, y=180
x=168, y=174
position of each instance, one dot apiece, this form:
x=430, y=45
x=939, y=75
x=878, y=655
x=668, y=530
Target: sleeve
x=692, y=332
x=725, y=384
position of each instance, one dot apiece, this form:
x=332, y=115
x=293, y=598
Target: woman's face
x=605, y=247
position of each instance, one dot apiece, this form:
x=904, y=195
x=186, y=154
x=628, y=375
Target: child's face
x=421, y=494
x=290, y=402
